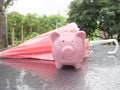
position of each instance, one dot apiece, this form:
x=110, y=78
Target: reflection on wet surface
x=99, y=72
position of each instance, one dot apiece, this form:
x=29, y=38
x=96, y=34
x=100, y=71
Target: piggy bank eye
x=63, y=40
x=72, y=41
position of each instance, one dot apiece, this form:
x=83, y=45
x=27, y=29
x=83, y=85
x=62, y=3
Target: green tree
x=15, y=25
x=3, y=34
x=85, y=14
x=21, y=28
x=109, y=18
x=49, y=23
x=57, y=21
x=31, y=22
x=92, y=15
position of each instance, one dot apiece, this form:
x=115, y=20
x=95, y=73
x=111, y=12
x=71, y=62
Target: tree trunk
x=118, y=37
x=3, y=31
x=30, y=32
x=110, y=36
x=105, y=35
x=12, y=36
x=22, y=35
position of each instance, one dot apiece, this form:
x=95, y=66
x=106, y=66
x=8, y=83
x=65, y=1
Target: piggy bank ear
x=54, y=36
x=81, y=34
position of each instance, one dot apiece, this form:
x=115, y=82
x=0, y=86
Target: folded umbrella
x=40, y=47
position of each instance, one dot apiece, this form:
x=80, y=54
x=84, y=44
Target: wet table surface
x=98, y=72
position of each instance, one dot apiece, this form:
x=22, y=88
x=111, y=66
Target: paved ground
x=99, y=72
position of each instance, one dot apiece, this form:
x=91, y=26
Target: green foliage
x=7, y=3
x=110, y=17
x=85, y=14
x=38, y=25
x=92, y=15
x=14, y=20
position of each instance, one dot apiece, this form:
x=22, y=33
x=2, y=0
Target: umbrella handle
x=99, y=42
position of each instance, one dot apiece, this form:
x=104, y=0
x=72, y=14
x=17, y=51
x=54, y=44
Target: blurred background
x=21, y=20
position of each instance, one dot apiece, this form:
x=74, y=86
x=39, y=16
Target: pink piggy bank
x=68, y=48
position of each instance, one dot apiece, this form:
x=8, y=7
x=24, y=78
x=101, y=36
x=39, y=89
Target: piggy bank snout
x=67, y=51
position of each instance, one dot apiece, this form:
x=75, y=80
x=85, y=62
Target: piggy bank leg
x=58, y=65
x=77, y=66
